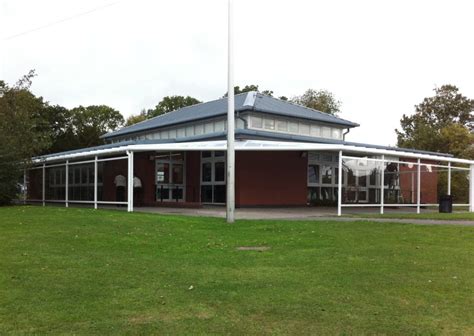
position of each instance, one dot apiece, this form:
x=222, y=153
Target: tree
x=320, y=100
x=442, y=123
x=136, y=118
x=171, y=103
x=250, y=88
x=423, y=130
x=22, y=133
x=89, y=123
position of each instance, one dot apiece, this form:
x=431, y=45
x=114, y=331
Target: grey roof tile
x=249, y=101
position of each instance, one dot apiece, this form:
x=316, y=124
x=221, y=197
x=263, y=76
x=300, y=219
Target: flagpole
x=230, y=204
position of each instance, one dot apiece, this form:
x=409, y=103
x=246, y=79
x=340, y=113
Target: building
x=286, y=155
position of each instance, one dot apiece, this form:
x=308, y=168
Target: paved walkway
x=298, y=213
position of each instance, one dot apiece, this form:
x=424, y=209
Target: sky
x=379, y=58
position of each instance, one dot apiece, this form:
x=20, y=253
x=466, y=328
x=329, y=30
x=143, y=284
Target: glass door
x=213, y=184
x=170, y=177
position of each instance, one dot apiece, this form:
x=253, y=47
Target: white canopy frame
x=93, y=156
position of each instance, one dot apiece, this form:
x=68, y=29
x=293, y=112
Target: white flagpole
x=230, y=204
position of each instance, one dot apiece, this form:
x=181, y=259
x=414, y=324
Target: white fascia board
x=252, y=145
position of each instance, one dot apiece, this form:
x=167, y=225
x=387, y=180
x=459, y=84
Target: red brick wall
x=271, y=178
x=112, y=169
x=428, y=184
x=193, y=180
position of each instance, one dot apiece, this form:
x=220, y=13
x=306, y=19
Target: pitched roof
x=249, y=101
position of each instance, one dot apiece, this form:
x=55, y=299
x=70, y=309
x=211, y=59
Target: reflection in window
x=293, y=127
x=269, y=124
x=326, y=175
x=282, y=125
x=256, y=122
x=313, y=173
x=219, y=172
x=304, y=129
x=207, y=172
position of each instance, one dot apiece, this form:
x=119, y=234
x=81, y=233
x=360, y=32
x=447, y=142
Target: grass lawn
x=85, y=272
x=427, y=215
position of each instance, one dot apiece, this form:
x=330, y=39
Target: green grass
x=428, y=215
x=86, y=272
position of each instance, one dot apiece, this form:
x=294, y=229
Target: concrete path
x=299, y=213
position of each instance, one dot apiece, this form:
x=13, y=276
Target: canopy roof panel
x=242, y=145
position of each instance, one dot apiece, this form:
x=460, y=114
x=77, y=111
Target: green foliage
x=89, y=123
x=171, y=103
x=320, y=100
x=137, y=118
x=23, y=133
x=441, y=123
x=250, y=88
x=89, y=272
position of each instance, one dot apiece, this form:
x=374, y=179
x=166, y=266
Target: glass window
x=209, y=128
x=164, y=134
x=219, y=154
x=313, y=173
x=269, y=124
x=315, y=131
x=256, y=122
x=162, y=172
x=326, y=132
x=292, y=127
x=177, y=156
x=206, y=194
x=177, y=194
x=178, y=173
x=326, y=177
x=219, y=126
x=206, y=154
x=219, y=194
x=219, y=172
x=326, y=157
x=199, y=129
x=304, y=129
x=282, y=126
x=181, y=133
x=336, y=133
x=190, y=131
x=172, y=134
x=207, y=172
x=162, y=193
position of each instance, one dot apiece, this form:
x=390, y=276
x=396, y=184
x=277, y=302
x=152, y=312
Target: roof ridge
x=163, y=114
x=305, y=107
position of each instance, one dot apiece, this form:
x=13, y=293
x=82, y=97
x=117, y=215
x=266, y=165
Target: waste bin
x=446, y=203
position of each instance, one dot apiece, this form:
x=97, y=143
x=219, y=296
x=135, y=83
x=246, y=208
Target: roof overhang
x=245, y=145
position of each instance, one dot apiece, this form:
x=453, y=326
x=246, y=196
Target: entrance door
x=213, y=184
x=170, y=177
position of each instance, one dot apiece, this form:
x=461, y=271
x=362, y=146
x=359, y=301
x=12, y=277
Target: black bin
x=446, y=204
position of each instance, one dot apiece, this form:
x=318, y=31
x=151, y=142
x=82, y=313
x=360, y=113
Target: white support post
x=471, y=188
x=418, y=187
x=230, y=201
x=382, y=185
x=25, y=189
x=339, y=186
x=130, y=181
x=95, y=181
x=66, y=187
x=44, y=184
x=449, y=178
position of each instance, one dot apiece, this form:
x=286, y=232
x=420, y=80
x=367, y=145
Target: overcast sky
x=380, y=58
